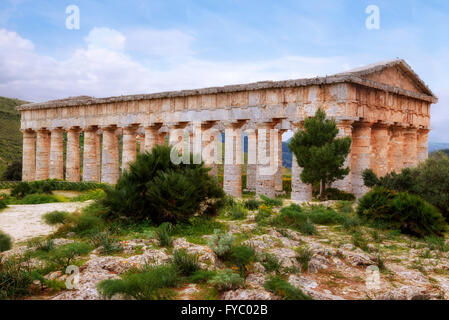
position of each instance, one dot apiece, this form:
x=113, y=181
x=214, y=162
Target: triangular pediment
x=395, y=73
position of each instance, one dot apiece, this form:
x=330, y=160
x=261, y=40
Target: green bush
x=157, y=189
x=226, y=279
x=96, y=194
x=185, y=263
x=202, y=276
x=271, y=202
x=359, y=240
x=106, y=242
x=270, y=262
x=430, y=181
x=242, y=256
x=221, y=243
x=263, y=214
x=284, y=289
x=13, y=172
x=5, y=242
x=65, y=254
x=55, y=217
x=291, y=217
x=336, y=194
x=324, y=216
x=308, y=228
x=152, y=283
x=252, y=204
x=409, y=213
x=15, y=278
x=164, y=234
x=22, y=189
x=37, y=198
x=237, y=212
x=3, y=204
x=86, y=223
x=303, y=256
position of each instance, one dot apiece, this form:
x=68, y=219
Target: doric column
x=129, y=153
x=29, y=155
x=423, y=145
x=300, y=190
x=42, y=154
x=56, y=154
x=210, y=150
x=380, y=143
x=251, y=167
x=360, y=160
x=278, y=178
x=91, y=159
x=98, y=151
x=73, y=155
x=110, y=156
x=232, y=175
x=267, y=163
x=395, y=156
x=151, y=137
x=345, y=130
x=410, y=149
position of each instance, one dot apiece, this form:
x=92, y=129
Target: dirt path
x=24, y=222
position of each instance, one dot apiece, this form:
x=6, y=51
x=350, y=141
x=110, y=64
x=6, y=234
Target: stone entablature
x=383, y=107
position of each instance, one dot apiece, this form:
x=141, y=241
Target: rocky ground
x=409, y=269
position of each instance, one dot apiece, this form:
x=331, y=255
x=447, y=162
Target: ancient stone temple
x=384, y=107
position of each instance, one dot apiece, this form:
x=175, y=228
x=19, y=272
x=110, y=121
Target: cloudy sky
x=143, y=46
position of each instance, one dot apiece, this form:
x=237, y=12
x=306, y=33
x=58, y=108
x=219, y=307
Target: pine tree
x=319, y=152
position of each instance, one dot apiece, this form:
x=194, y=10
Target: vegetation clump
x=157, y=189
x=226, y=279
x=55, y=217
x=284, y=289
x=407, y=212
x=185, y=263
x=5, y=242
x=221, y=243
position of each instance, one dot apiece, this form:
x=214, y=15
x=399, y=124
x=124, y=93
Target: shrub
x=13, y=172
x=237, y=212
x=65, y=254
x=106, y=242
x=202, y=276
x=23, y=189
x=153, y=283
x=284, y=289
x=55, y=217
x=437, y=243
x=359, y=240
x=157, y=189
x=86, y=223
x=252, y=204
x=324, y=216
x=263, y=214
x=303, y=256
x=271, y=202
x=291, y=217
x=336, y=194
x=3, y=203
x=42, y=245
x=242, y=256
x=227, y=280
x=270, y=262
x=308, y=228
x=430, y=181
x=37, y=198
x=5, y=242
x=96, y=194
x=15, y=278
x=221, y=243
x=409, y=213
x=164, y=234
x=185, y=263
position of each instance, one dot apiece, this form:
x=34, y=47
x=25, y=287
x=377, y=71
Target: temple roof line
x=354, y=76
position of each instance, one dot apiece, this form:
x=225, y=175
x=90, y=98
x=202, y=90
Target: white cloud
x=105, y=38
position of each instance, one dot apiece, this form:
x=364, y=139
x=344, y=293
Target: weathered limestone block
x=73, y=152
x=395, y=149
x=410, y=148
x=29, y=155
x=278, y=177
x=232, y=176
x=90, y=157
x=267, y=162
x=129, y=153
x=300, y=190
x=423, y=146
x=361, y=151
x=251, y=167
x=345, y=130
x=42, y=154
x=380, y=142
x=110, y=156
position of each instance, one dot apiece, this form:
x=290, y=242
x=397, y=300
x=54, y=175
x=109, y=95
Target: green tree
x=319, y=152
x=13, y=172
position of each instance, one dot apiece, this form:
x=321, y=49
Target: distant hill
x=10, y=135
x=435, y=146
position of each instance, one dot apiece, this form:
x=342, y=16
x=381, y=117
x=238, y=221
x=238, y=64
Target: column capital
x=29, y=130
x=90, y=128
x=363, y=124
x=73, y=129
x=111, y=127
